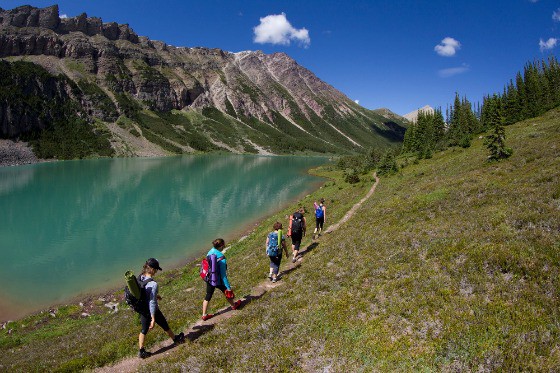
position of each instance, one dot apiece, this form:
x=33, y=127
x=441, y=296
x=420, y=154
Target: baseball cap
x=153, y=262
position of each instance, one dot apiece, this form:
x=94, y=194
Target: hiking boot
x=179, y=338
x=236, y=304
x=274, y=279
x=294, y=259
x=142, y=353
x=206, y=317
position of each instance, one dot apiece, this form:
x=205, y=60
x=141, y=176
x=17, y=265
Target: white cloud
x=276, y=29
x=63, y=16
x=452, y=71
x=547, y=45
x=357, y=101
x=448, y=47
x=556, y=15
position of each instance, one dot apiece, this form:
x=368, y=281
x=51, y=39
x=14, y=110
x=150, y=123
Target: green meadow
x=452, y=265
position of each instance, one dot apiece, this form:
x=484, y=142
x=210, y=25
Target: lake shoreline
x=108, y=294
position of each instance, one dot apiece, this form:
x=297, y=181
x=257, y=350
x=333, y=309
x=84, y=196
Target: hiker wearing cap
x=218, y=278
x=150, y=314
x=296, y=231
x=320, y=217
x=275, y=243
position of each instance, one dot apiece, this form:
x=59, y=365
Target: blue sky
x=401, y=55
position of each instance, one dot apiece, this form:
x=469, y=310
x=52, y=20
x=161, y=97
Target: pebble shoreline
x=16, y=153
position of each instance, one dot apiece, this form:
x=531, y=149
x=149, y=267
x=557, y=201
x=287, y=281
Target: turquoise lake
x=74, y=227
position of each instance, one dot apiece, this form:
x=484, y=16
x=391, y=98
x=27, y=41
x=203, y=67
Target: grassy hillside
x=452, y=265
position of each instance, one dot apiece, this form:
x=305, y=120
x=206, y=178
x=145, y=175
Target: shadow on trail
x=164, y=349
x=301, y=254
x=250, y=298
x=312, y=246
x=197, y=331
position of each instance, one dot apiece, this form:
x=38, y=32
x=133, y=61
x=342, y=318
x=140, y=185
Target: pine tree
x=409, y=141
x=438, y=129
x=388, y=164
x=464, y=123
x=513, y=108
x=532, y=90
x=455, y=124
x=424, y=133
x=554, y=80
x=495, y=141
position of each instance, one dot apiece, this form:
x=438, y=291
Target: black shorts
x=210, y=290
x=319, y=222
x=296, y=240
x=146, y=319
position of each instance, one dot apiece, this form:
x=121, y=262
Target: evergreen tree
x=409, y=141
x=388, y=164
x=455, y=124
x=522, y=95
x=438, y=125
x=513, y=107
x=533, y=93
x=495, y=141
x=424, y=138
x=554, y=81
x=464, y=123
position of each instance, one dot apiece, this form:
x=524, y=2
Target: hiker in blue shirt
x=320, y=217
x=150, y=313
x=218, y=279
x=275, y=243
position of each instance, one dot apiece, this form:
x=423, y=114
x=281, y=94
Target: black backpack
x=297, y=223
x=138, y=305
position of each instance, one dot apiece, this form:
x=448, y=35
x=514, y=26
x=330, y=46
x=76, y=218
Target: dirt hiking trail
x=200, y=327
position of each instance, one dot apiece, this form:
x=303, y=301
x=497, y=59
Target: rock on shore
x=16, y=153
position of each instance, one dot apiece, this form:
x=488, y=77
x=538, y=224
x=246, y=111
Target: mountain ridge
x=253, y=96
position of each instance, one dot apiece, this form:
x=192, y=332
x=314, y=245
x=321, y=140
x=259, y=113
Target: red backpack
x=204, y=269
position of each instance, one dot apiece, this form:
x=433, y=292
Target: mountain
x=389, y=114
x=100, y=89
x=413, y=116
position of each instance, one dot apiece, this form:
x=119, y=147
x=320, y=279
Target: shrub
x=352, y=177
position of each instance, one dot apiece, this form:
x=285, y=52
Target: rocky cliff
x=149, y=95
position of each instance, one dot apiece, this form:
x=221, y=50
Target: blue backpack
x=319, y=212
x=273, y=247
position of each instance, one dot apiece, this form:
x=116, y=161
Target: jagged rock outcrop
x=48, y=18
x=116, y=72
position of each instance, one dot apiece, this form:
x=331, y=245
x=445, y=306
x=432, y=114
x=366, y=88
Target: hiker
x=275, y=243
x=296, y=231
x=320, y=217
x=220, y=279
x=150, y=313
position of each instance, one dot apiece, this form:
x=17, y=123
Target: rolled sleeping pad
x=290, y=225
x=132, y=284
x=215, y=271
